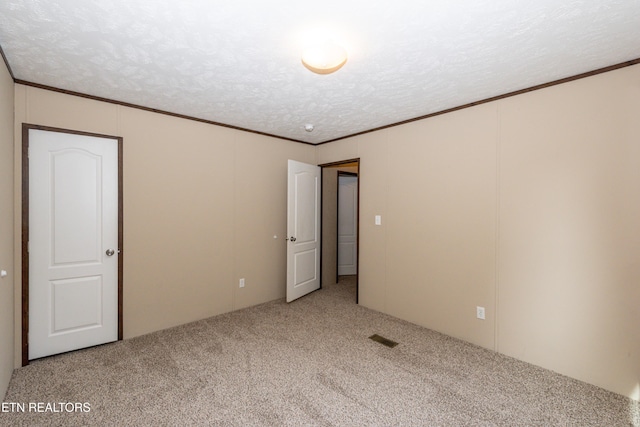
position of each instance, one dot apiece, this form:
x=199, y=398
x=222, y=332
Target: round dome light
x=324, y=58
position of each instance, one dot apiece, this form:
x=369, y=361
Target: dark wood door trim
x=26, y=127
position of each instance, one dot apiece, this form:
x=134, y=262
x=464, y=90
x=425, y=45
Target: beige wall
x=569, y=242
x=6, y=227
x=202, y=205
x=527, y=206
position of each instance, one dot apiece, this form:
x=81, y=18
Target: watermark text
x=52, y=407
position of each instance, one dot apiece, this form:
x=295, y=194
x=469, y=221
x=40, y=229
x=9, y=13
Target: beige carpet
x=305, y=363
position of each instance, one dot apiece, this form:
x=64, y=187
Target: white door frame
x=26, y=127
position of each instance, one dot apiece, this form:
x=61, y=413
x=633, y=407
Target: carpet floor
x=305, y=363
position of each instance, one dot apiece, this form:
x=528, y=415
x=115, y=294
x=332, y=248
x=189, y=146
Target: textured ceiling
x=238, y=62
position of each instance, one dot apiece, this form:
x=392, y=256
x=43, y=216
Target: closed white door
x=347, y=225
x=73, y=242
x=303, y=230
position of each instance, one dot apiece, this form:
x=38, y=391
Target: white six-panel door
x=303, y=228
x=73, y=242
x=347, y=225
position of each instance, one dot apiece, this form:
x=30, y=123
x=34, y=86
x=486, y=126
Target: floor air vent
x=383, y=341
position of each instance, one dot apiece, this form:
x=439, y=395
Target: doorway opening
x=340, y=236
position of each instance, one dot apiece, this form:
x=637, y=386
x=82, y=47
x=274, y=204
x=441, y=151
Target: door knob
x=293, y=239
x=110, y=252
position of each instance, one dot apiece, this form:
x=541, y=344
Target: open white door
x=303, y=230
x=73, y=241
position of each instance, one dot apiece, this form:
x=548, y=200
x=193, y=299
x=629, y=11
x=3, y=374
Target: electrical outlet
x=480, y=313
x=242, y=283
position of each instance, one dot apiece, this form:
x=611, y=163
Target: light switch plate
x=378, y=220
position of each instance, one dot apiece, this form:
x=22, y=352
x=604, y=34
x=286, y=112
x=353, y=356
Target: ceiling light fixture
x=324, y=58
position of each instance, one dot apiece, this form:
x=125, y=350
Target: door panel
x=305, y=270
x=76, y=304
x=303, y=230
x=76, y=187
x=347, y=225
x=73, y=221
